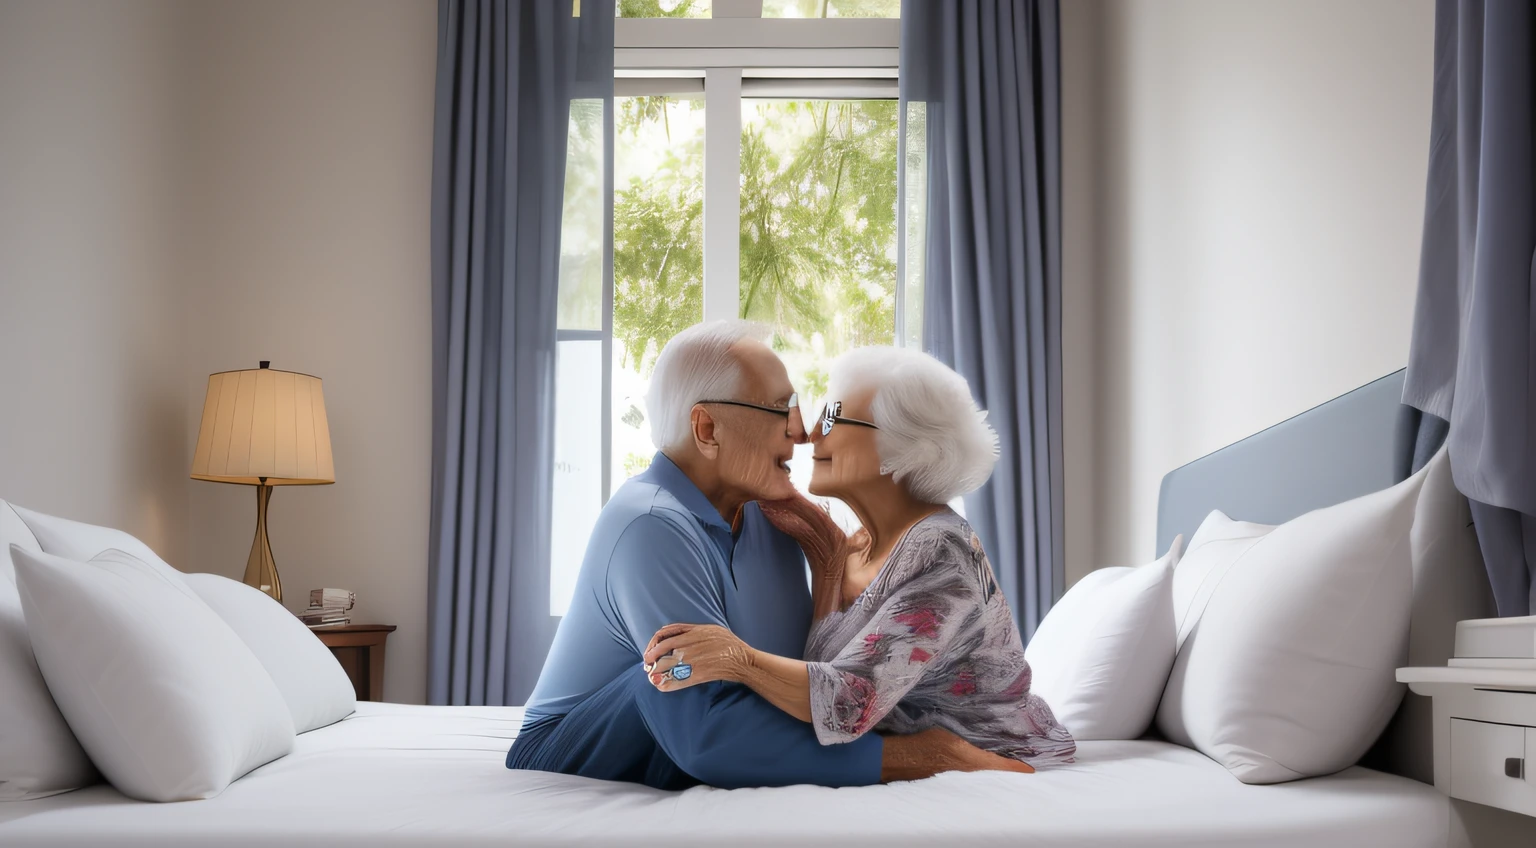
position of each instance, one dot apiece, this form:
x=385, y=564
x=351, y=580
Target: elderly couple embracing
x=696, y=651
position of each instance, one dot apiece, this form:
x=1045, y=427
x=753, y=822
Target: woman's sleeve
x=919, y=617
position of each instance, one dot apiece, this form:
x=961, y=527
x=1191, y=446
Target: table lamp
x=264, y=428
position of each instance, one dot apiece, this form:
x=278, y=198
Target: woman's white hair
x=697, y=364
x=933, y=438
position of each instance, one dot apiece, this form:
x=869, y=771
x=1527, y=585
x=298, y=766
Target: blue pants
x=607, y=736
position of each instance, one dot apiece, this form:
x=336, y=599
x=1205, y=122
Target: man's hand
x=937, y=750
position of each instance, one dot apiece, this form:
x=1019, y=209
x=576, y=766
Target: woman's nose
x=797, y=432
x=813, y=435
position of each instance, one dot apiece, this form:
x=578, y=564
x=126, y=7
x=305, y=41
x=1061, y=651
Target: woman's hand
x=810, y=525
x=825, y=544
x=711, y=652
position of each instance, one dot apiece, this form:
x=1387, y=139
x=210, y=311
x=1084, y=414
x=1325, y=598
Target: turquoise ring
x=682, y=671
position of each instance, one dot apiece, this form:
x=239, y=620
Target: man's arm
x=721, y=733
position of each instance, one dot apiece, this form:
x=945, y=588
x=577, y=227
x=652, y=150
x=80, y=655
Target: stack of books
x=328, y=607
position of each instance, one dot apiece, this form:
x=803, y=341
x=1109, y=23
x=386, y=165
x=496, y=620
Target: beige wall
x=92, y=400
x=1257, y=197
x=189, y=187
x=309, y=223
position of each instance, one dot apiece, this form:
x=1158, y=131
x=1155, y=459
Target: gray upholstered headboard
x=1329, y=454
x=1353, y=445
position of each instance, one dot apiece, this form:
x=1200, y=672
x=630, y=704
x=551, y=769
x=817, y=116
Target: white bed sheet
x=397, y=775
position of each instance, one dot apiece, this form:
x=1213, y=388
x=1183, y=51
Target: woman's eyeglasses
x=830, y=416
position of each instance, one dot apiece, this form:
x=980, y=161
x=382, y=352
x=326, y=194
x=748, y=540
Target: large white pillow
x=1102, y=654
x=316, y=688
x=78, y=541
x=1217, y=545
x=39, y=756
x=163, y=696
x=1287, y=668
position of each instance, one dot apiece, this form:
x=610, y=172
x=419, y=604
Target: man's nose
x=797, y=432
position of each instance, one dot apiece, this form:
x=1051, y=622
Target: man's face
x=756, y=444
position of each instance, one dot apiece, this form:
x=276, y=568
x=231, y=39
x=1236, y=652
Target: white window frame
x=739, y=53
x=736, y=53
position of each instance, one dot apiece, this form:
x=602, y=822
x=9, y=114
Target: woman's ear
x=704, y=440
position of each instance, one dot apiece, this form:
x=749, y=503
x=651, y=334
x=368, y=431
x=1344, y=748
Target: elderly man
x=684, y=542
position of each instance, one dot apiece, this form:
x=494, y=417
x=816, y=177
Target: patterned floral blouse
x=931, y=642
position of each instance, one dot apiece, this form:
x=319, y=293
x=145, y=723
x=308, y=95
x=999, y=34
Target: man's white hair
x=695, y=365
x=933, y=438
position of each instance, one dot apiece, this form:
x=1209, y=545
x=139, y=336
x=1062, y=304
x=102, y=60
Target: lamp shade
x=262, y=423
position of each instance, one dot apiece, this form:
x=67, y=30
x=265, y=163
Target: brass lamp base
x=260, y=570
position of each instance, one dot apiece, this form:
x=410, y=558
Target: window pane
x=581, y=221
x=831, y=8
x=662, y=8
x=578, y=463
x=658, y=253
x=818, y=228
x=915, y=225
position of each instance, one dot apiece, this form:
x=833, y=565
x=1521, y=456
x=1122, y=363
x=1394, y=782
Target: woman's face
x=845, y=455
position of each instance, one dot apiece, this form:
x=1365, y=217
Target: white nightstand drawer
x=1483, y=754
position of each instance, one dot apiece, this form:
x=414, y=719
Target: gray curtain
x=1473, y=355
x=506, y=74
x=988, y=72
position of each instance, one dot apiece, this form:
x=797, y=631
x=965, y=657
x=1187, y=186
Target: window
x=769, y=8
x=662, y=8
x=831, y=8
x=658, y=255
x=773, y=189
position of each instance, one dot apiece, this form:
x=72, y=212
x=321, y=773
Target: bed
x=421, y=776
x=429, y=776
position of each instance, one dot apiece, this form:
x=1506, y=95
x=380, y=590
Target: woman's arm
x=918, y=619
x=715, y=653
x=781, y=681
x=920, y=616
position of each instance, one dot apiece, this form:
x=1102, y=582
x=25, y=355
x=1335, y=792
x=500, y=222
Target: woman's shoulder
x=945, y=546
x=944, y=534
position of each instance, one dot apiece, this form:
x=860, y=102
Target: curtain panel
x=987, y=72
x=507, y=71
x=1472, y=359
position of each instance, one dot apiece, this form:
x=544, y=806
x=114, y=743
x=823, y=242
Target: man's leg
x=603, y=737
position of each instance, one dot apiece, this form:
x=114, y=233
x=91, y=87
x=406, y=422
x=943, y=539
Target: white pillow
x=316, y=688
x=1287, y=669
x=78, y=541
x=1217, y=545
x=39, y=756
x=162, y=694
x=1102, y=654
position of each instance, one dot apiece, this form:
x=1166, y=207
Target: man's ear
x=704, y=433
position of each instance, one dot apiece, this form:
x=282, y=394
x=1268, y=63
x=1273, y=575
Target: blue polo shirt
x=660, y=554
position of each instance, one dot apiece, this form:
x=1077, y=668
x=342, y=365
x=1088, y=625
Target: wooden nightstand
x=1485, y=732
x=360, y=650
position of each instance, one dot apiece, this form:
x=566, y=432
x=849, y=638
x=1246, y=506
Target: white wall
x=310, y=216
x=1081, y=45
x=92, y=420
x=1256, y=214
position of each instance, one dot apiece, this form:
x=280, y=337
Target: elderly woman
x=911, y=630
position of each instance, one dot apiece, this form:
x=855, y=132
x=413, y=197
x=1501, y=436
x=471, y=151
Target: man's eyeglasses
x=794, y=402
x=830, y=416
